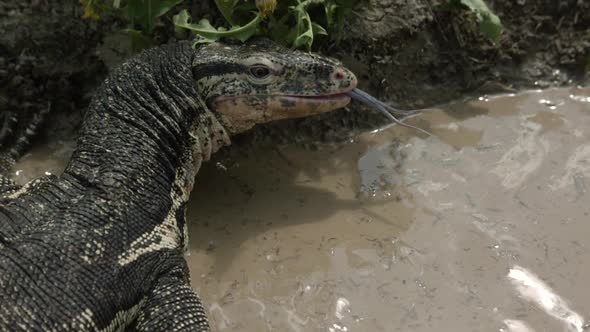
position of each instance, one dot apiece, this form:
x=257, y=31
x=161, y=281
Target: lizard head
x=259, y=81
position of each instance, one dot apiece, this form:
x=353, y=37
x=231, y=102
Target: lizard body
x=100, y=247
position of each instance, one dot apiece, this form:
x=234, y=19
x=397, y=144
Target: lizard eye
x=260, y=71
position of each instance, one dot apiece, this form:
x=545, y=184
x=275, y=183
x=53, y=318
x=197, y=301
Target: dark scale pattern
x=61, y=239
x=7, y=186
x=172, y=306
x=100, y=247
x=16, y=132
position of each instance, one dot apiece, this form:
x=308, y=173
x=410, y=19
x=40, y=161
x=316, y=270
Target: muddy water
x=483, y=227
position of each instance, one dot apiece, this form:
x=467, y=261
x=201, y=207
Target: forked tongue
x=380, y=106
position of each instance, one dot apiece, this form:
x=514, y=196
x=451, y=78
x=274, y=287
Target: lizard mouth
x=245, y=111
x=332, y=96
x=312, y=104
x=279, y=106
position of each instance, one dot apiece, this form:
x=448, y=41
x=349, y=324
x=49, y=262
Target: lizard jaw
x=283, y=107
x=243, y=112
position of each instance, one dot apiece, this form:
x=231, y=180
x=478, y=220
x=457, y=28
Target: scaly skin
x=16, y=131
x=100, y=248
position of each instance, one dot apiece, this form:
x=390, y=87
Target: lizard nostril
x=339, y=75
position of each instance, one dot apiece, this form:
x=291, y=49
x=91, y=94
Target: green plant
x=141, y=15
x=294, y=23
x=207, y=33
x=336, y=13
x=489, y=24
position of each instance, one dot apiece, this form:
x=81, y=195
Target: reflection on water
x=481, y=228
x=531, y=288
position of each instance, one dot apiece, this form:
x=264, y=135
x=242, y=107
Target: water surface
x=484, y=227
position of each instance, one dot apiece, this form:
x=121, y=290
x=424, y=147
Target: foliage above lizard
x=289, y=22
x=293, y=23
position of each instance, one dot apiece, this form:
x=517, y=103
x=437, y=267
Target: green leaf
x=303, y=28
x=318, y=29
x=143, y=13
x=336, y=13
x=489, y=24
x=242, y=12
x=227, y=8
x=280, y=31
x=331, y=8
x=205, y=30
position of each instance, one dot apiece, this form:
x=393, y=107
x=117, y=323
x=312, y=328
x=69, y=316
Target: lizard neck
x=147, y=130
